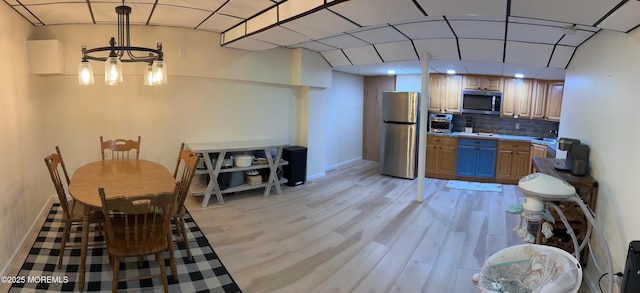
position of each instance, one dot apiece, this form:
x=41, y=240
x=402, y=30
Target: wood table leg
x=83, y=247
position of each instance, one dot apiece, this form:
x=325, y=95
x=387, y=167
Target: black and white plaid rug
x=39, y=273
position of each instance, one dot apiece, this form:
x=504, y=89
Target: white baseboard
x=333, y=167
x=32, y=229
x=336, y=166
x=316, y=176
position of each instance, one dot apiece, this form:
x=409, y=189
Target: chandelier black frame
x=123, y=50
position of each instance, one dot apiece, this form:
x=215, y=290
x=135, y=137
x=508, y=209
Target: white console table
x=207, y=149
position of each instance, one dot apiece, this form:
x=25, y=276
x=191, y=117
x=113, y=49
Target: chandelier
x=122, y=51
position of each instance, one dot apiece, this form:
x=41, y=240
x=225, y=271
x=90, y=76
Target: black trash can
x=296, y=170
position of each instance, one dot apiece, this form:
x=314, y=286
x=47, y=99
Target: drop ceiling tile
x=561, y=56
x=249, y=44
x=481, y=50
x=474, y=29
x=320, y=24
x=397, y=51
x=509, y=69
x=362, y=55
x=623, y=19
x=280, y=36
x=292, y=9
x=208, y=5
x=441, y=66
x=64, y=13
x=380, y=35
x=464, y=7
x=436, y=29
x=315, y=46
x=178, y=16
x=244, y=8
x=528, y=53
x=577, y=38
x=534, y=33
x=47, y=2
x=551, y=74
x=479, y=67
x=105, y=13
x=219, y=22
x=373, y=12
x=27, y=15
x=585, y=12
x=438, y=48
x=336, y=58
x=262, y=21
x=343, y=41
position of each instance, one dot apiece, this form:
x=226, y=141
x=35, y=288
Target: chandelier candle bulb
x=122, y=51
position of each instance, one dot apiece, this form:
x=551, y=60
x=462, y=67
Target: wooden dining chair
x=187, y=161
x=72, y=211
x=139, y=226
x=120, y=149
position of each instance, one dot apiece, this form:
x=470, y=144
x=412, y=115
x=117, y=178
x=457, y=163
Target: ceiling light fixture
x=519, y=75
x=451, y=71
x=122, y=51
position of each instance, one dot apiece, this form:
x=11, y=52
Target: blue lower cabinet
x=466, y=165
x=476, y=158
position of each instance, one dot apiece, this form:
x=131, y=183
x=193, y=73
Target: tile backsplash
x=497, y=124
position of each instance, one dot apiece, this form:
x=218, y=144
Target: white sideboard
x=210, y=149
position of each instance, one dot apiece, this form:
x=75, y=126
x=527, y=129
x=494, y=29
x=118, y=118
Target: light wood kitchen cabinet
x=546, y=100
x=445, y=93
x=516, y=97
x=513, y=162
x=482, y=82
x=538, y=150
x=555, y=90
x=539, y=99
x=442, y=153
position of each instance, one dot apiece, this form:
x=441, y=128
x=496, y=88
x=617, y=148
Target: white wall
x=22, y=139
x=344, y=120
x=601, y=83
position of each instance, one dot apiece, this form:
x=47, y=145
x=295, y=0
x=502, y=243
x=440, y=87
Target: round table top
x=119, y=178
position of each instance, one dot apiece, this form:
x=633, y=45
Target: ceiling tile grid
x=397, y=51
x=541, y=36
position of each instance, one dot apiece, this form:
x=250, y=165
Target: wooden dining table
x=118, y=178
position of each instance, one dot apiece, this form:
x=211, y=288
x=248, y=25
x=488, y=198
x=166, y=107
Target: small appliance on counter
x=440, y=123
x=468, y=127
x=577, y=161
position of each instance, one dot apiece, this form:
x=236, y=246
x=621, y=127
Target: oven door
x=441, y=126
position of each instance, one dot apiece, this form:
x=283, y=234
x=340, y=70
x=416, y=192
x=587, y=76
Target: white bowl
x=243, y=160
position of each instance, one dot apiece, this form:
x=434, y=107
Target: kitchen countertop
x=551, y=143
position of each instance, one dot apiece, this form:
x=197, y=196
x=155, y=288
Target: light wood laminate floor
x=354, y=230
x=358, y=231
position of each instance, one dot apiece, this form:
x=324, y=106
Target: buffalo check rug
x=39, y=272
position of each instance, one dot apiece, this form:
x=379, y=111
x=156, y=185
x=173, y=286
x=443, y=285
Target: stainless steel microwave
x=481, y=102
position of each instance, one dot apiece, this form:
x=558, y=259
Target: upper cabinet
x=554, y=99
x=516, y=97
x=482, y=82
x=445, y=93
x=546, y=101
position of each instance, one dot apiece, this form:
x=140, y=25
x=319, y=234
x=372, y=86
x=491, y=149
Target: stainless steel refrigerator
x=399, y=139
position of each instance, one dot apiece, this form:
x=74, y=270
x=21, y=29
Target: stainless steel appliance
x=481, y=102
x=577, y=161
x=399, y=139
x=440, y=123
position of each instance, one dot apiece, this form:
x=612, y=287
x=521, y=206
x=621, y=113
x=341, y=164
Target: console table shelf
x=211, y=149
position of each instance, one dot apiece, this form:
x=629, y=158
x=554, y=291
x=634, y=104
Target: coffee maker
x=577, y=161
